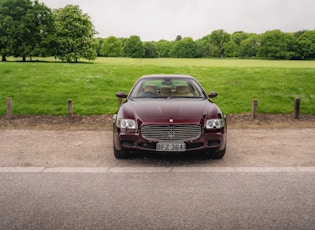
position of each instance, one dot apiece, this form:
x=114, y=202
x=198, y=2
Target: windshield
x=167, y=88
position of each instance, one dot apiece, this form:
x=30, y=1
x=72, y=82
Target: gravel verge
x=86, y=141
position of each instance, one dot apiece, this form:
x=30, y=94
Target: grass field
x=43, y=87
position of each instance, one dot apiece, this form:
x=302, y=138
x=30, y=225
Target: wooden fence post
x=254, y=108
x=70, y=110
x=297, y=108
x=9, y=108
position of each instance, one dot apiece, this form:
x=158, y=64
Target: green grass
x=44, y=87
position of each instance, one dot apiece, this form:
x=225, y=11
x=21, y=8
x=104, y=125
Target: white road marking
x=157, y=170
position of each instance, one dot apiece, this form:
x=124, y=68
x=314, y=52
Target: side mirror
x=121, y=94
x=213, y=94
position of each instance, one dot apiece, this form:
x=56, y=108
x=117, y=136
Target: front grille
x=170, y=132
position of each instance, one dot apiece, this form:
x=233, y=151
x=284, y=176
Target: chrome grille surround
x=170, y=132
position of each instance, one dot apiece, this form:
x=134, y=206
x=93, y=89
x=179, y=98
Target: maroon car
x=169, y=113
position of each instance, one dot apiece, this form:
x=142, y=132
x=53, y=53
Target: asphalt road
x=174, y=199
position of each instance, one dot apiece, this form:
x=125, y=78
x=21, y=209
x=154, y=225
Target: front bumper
x=210, y=140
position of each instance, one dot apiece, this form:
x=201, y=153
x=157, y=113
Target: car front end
x=170, y=134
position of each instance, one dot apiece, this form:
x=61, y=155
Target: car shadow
x=171, y=159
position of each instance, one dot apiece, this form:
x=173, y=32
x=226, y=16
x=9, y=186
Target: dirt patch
x=271, y=121
x=104, y=122
x=40, y=122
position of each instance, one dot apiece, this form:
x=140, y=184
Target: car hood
x=162, y=110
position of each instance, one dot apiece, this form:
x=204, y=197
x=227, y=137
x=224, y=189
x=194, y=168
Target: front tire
x=218, y=154
x=120, y=154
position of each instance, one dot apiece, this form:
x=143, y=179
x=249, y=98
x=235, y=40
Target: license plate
x=170, y=147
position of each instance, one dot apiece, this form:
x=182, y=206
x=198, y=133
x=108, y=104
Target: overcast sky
x=153, y=20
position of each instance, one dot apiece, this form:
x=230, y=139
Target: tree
x=99, y=46
x=111, y=47
x=150, y=50
x=248, y=47
x=276, y=45
x=201, y=47
x=12, y=29
x=4, y=21
x=133, y=47
x=75, y=34
x=185, y=48
x=306, y=45
x=219, y=39
x=230, y=49
x=41, y=41
x=24, y=28
x=178, y=38
x=235, y=43
x=238, y=37
x=204, y=47
x=164, y=48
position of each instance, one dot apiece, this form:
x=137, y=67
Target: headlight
x=126, y=123
x=214, y=124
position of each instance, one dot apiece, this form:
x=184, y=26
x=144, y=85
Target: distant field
x=43, y=87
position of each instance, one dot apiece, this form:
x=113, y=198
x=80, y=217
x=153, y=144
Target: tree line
x=273, y=44
x=31, y=29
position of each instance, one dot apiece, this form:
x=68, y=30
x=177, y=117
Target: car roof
x=171, y=76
